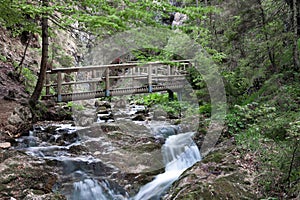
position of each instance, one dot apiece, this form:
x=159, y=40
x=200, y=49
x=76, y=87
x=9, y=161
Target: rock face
x=25, y=177
x=124, y=144
x=216, y=177
x=20, y=115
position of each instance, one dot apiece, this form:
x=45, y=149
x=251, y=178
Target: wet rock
x=102, y=103
x=64, y=137
x=159, y=115
x=95, y=167
x=124, y=144
x=5, y=145
x=165, y=131
x=120, y=114
x=33, y=196
x=106, y=117
x=142, y=111
x=78, y=149
x=85, y=121
x=120, y=104
x=21, y=173
x=139, y=117
x=102, y=110
x=215, y=177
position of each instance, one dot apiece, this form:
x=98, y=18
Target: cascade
x=179, y=153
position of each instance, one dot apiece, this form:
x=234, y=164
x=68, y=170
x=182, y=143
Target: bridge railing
x=103, y=77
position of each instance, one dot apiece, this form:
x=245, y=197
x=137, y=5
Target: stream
x=85, y=158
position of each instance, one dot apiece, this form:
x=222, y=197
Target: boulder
x=139, y=117
x=102, y=110
x=102, y=103
x=215, y=177
x=159, y=115
x=120, y=104
x=5, y=145
x=22, y=175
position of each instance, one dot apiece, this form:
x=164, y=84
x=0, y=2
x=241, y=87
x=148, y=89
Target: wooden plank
x=107, y=86
x=76, y=82
x=150, y=78
x=95, y=67
x=59, y=82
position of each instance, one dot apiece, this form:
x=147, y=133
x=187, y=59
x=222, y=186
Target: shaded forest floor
x=11, y=93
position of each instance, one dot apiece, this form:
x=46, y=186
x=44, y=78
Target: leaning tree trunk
x=43, y=67
x=295, y=30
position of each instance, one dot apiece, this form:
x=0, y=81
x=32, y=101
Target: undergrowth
x=267, y=123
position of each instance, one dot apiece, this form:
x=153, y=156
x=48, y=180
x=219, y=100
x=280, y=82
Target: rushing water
x=83, y=171
x=179, y=153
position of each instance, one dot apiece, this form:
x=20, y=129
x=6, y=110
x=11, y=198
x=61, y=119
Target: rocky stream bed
x=111, y=152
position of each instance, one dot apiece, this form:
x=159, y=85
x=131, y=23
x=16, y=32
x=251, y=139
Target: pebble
x=5, y=145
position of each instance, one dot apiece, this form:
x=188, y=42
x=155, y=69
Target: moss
x=214, y=157
x=38, y=192
x=9, y=179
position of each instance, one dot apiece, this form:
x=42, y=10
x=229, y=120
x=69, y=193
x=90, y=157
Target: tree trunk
x=43, y=67
x=20, y=66
x=270, y=51
x=295, y=38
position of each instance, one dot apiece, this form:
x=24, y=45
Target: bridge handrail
x=153, y=67
x=123, y=65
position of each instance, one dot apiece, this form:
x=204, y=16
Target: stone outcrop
x=217, y=176
x=25, y=177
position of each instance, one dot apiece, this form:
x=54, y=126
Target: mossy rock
x=214, y=157
x=230, y=187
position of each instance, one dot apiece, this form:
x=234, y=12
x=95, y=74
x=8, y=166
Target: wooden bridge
x=88, y=82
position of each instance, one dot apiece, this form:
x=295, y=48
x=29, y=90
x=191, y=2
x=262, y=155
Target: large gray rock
x=216, y=177
x=23, y=176
x=124, y=144
x=20, y=115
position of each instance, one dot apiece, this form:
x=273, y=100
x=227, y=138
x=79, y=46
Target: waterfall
x=91, y=189
x=179, y=153
x=88, y=189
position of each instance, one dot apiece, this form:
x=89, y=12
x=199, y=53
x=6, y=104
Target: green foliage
x=75, y=106
x=30, y=80
x=243, y=117
x=293, y=130
x=173, y=108
x=205, y=109
x=3, y=58
x=273, y=136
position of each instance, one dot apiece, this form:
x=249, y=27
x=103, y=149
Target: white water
x=179, y=153
x=88, y=189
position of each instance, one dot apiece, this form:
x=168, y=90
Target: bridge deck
x=114, y=80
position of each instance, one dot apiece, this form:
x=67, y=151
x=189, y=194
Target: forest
x=253, y=45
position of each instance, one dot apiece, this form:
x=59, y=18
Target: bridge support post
x=107, y=92
x=93, y=77
x=171, y=95
x=59, y=86
x=150, y=78
x=179, y=95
